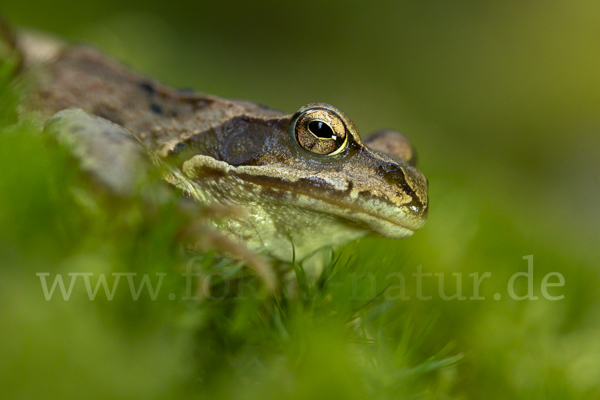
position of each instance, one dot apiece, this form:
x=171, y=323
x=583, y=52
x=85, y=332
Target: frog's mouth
x=389, y=209
x=376, y=212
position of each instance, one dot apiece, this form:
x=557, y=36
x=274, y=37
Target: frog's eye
x=320, y=131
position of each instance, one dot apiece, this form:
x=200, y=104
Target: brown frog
x=305, y=179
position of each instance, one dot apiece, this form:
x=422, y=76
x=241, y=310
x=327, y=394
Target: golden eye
x=320, y=131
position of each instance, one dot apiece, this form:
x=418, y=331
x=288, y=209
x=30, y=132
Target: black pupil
x=321, y=129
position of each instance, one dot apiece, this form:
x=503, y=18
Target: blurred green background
x=502, y=101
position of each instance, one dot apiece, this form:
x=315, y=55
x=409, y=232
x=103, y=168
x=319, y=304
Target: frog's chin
x=390, y=230
x=355, y=215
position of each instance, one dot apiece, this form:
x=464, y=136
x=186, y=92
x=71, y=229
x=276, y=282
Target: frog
x=306, y=180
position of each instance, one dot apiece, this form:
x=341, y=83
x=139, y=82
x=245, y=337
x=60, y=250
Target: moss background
x=502, y=100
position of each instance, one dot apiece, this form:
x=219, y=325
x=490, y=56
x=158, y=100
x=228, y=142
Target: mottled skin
x=242, y=153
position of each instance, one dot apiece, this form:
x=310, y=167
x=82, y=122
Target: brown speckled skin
x=85, y=78
x=238, y=152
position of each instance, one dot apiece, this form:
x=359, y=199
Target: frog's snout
x=416, y=188
x=410, y=186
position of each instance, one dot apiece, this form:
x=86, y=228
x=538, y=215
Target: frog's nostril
x=390, y=167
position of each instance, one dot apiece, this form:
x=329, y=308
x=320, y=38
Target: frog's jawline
x=376, y=223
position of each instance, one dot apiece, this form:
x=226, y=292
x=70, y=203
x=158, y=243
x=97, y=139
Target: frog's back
x=82, y=77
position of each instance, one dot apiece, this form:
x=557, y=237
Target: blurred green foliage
x=502, y=100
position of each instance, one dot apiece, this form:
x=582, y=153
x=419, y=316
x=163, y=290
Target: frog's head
x=315, y=160
x=378, y=187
